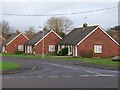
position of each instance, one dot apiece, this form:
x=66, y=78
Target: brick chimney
x=84, y=25
x=17, y=31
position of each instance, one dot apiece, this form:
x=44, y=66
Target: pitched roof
x=76, y=35
x=37, y=37
x=10, y=38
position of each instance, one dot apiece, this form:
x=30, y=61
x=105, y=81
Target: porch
x=72, y=49
x=29, y=49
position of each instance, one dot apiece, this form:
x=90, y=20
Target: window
x=98, y=48
x=51, y=48
x=20, y=48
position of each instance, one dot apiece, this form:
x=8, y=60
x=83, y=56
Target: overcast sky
x=106, y=18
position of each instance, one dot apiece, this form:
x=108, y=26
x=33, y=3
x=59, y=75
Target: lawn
x=101, y=61
x=40, y=56
x=8, y=66
x=21, y=55
x=97, y=61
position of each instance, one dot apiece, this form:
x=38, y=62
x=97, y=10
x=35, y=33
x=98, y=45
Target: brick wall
x=109, y=48
x=51, y=39
x=13, y=46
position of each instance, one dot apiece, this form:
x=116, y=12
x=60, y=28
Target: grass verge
x=101, y=61
x=8, y=66
x=96, y=61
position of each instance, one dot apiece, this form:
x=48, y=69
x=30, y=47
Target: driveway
x=58, y=74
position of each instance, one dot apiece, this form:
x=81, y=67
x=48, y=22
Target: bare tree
x=59, y=24
x=30, y=33
x=5, y=29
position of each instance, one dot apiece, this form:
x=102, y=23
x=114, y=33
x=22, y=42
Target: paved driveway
x=58, y=74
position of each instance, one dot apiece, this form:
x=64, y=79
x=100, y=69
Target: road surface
x=58, y=74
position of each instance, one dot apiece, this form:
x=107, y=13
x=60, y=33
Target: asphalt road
x=58, y=74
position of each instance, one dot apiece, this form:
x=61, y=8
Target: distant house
x=43, y=42
x=1, y=41
x=14, y=43
x=89, y=38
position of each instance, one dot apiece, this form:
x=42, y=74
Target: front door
x=70, y=49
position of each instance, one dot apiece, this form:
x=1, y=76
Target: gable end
x=16, y=37
x=102, y=31
x=47, y=35
x=108, y=35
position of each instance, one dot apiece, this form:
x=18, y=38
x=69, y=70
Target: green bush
x=87, y=54
x=60, y=53
x=63, y=52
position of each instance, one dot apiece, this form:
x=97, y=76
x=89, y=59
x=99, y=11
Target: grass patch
x=40, y=56
x=101, y=61
x=8, y=66
x=20, y=55
x=96, y=61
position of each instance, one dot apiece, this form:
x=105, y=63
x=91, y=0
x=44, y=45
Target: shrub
x=87, y=54
x=63, y=52
x=19, y=52
x=52, y=53
x=60, y=53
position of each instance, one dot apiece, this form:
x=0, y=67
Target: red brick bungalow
x=43, y=42
x=14, y=43
x=1, y=40
x=89, y=38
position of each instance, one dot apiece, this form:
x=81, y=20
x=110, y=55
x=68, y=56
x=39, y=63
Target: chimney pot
x=17, y=31
x=84, y=25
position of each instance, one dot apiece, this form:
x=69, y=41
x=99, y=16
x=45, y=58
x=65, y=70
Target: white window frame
x=98, y=48
x=51, y=48
x=20, y=48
